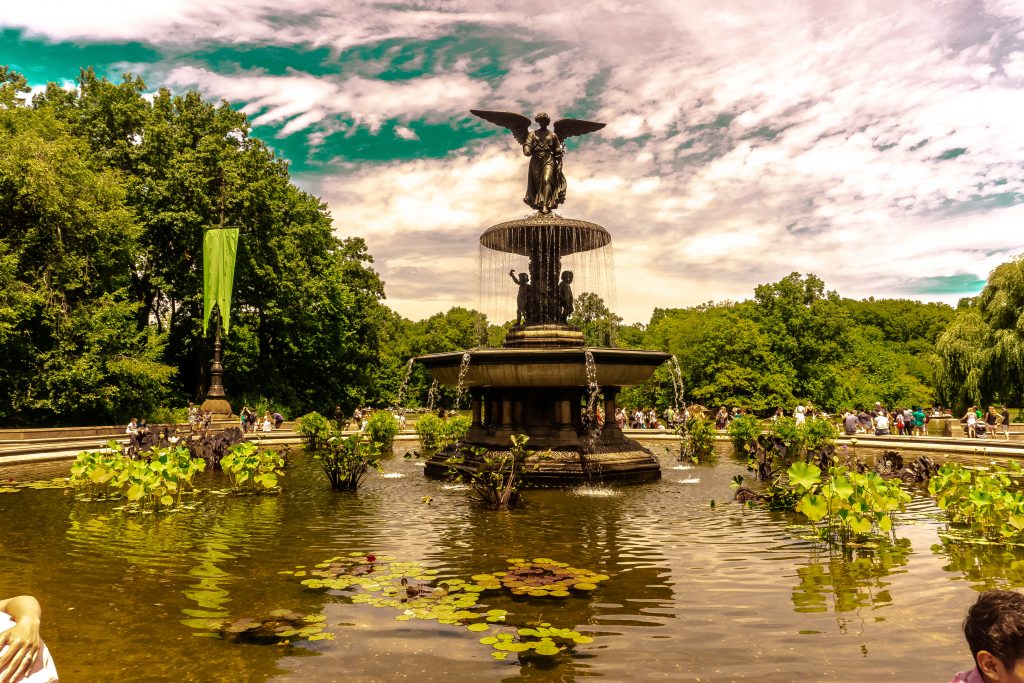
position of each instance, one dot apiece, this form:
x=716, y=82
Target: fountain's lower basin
x=549, y=395
x=558, y=367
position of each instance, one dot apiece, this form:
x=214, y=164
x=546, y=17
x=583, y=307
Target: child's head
x=994, y=628
x=566, y=276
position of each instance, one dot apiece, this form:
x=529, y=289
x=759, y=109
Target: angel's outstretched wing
x=566, y=128
x=517, y=123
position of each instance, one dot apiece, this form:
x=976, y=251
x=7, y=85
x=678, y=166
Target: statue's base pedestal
x=219, y=407
x=543, y=336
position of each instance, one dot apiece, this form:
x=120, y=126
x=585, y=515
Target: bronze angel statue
x=545, y=186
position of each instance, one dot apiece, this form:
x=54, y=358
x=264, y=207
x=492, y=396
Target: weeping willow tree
x=982, y=351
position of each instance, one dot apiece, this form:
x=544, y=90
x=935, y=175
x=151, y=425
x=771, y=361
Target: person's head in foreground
x=994, y=628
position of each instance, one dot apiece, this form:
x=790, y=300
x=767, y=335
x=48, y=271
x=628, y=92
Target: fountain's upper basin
x=543, y=367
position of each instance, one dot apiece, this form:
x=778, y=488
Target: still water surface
x=696, y=592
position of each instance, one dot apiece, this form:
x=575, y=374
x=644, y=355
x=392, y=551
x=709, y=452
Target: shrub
x=436, y=434
x=252, y=470
x=381, y=429
x=168, y=416
x=698, y=439
x=347, y=459
x=314, y=429
x=744, y=430
x=499, y=474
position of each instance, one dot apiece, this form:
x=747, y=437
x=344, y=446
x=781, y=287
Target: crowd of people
x=251, y=421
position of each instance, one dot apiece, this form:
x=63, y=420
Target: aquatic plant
x=698, y=439
x=157, y=481
x=252, y=470
x=314, y=429
x=847, y=502
x=983, y=503
x=280, y=626
x=851, y=578
x=436, y=433
x=744, y=429
x=416, y=593
x=499, y=474
x=347, y=459
x=382, y=427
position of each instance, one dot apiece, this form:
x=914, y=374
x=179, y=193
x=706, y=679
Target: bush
x=381, y=429
x=698, y=439
x=499, y=476
x=436, y=434
x=314, y=429
x=252, y=470
x=168, y=416
x=744, y=430
x=346, y=460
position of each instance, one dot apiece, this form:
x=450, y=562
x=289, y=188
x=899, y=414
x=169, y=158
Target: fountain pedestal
x=544, y=393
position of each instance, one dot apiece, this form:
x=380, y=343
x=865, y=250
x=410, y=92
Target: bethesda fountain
x=545, y=382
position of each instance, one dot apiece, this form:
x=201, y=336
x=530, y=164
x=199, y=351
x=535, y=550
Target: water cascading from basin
x=593, y=272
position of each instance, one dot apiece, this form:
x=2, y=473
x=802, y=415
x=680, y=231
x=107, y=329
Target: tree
x=592, y=317
x=982, y=351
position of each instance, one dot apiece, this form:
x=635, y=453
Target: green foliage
x=499, y=474
x=744, y=429
x=381, y=428
x=347, y=459
x=592, y=317
x=847, y=503
x=437, y=433
x=168, y=416
x=252, y=470
x=314, y=429
x=698, y=439
x=156, y=481
x=105, y=192
x=985, y=503
x=982, y=350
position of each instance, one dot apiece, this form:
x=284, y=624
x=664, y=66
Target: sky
x=878, y=145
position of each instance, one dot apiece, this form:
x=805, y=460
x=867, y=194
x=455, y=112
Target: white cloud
x=745, y=140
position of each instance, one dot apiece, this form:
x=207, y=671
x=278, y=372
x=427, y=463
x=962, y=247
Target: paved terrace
x=22, y=446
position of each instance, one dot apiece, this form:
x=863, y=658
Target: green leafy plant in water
x=346, y=460
x=982, y=503
x=157, y=480
x=314, y=429
x=847, y=503
x=382, y=428
x=417, y=593
x=698, y=439
x=252, y=470
x=744, y=430
x=499, y=474
x=437, y=433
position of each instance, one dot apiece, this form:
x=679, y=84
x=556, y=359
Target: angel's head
x=542, y=118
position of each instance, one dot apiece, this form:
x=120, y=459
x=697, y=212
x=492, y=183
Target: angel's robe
x=545, y=186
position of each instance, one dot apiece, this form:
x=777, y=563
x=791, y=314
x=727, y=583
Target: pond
x=695, y=590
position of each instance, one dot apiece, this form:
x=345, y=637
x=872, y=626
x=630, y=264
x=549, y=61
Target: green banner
x=219, y=248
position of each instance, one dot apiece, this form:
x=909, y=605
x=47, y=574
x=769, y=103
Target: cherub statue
x=565, y=296
x=524, y=299
x=545, y=186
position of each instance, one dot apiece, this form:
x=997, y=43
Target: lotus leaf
x=478, y=627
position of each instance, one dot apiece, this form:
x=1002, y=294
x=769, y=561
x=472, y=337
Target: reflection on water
x=848, y=580
x=988, y=567
x=716, y=592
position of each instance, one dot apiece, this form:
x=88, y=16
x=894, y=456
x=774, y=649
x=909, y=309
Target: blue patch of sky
x=42, y=61
x=964, y=283
x=982, y=202
x=952, y=153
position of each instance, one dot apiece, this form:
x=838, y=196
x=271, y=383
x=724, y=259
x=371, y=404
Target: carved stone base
x=543, y=336
x=218, y=406
x=627, y=464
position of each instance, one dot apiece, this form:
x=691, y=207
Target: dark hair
x=996, y=623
